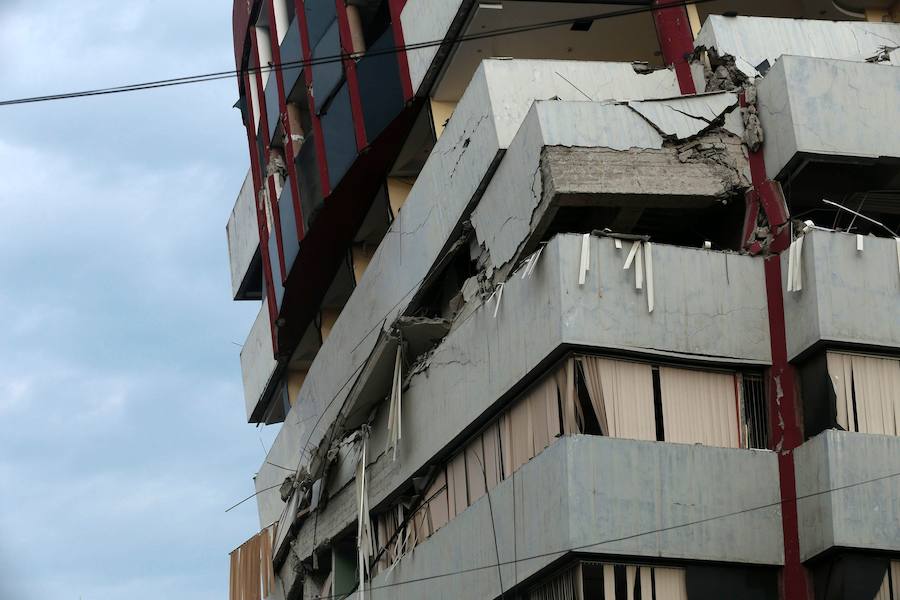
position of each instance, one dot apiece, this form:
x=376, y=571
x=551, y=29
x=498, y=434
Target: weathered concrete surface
x=753, y=40
x=584, y=490
x=257, y=359
x=849, y=489
x=847, y=296
x=243, y=237
x=615, y=154
x=425, y=21
x=483, y=124
x=702, y=306
x=828, y=109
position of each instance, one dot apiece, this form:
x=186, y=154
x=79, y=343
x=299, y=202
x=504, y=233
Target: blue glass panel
x=379, y=86
x=290, y=244
x=327, y=76
x=340, y=139
x=291, y=52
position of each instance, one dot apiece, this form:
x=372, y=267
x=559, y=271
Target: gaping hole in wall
x=871, y=188
x=444, y=295
x=850, y=391
x=852, y=576
x=719, y=223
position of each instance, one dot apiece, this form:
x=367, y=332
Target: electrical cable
x=583, y=547
x=218, y=75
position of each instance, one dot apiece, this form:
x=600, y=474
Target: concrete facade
x=798, y=101
x=862, y=511
x=573, y=497
x=848, y=297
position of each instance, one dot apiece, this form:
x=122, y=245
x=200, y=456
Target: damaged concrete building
x=571, y=300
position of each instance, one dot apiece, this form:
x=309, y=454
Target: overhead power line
x=589, y=546
x=299, y=64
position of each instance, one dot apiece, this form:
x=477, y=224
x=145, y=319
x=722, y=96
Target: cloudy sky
x=122, y=433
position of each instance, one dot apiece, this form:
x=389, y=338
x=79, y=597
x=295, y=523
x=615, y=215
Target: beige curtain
x=609, y=582
x=841, y=373
x=457, y=492
x=573, y=419
x=670, y=584
x=699, y=407
x=646, y=582
x=622, y=397
x=876, y=382
x=438, y=511
x=476, y=473
x=630, y=577
x=544, y=406
x=522, y=437
x=493, y=461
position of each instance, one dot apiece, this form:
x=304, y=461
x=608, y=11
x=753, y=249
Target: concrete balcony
x=820, y=114
x=243, y=245
x=848, y=296
x=848, y=489
x=603, y=496
x=257, y=363
x=758, y=42
x=703, y=314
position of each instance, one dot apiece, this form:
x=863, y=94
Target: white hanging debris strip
x=795, y=271
x=642, y=252
x=395, y=420
x=898, y=253
x=531, y=262
x=648, y=264
x=365, y=543
x=498, y=292
x=585, y=258
x=618, y=243
x=860, y=242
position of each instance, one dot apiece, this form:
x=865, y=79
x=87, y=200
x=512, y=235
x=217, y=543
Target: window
x=867, y=392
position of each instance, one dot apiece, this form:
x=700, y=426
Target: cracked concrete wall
x=704, y=305
x=621, y=141
x=847, y=296
x=425, y=21
x=753, y=40
x=828, y=108
x=483, y=124
x=863, y=516
x=583, y=490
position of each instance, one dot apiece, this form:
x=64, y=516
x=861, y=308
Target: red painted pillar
x=675, y=40
x=396, y=7
x=784, y=410
x=293, y=182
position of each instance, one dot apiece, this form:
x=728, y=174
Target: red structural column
x=784, y=409
x=247, y=80
x=286, y=126
x=300, y=9
x=396, y=7
x=359, y=124
x=675, y=40
x=264, y=127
